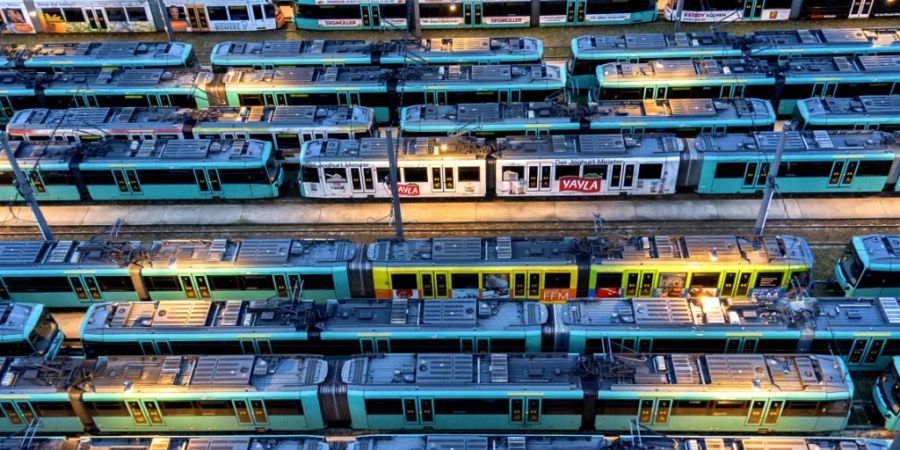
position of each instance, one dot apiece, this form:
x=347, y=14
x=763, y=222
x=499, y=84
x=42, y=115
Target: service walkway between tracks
x=320, y=213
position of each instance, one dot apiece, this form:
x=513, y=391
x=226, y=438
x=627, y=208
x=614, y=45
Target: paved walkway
x=457, y=212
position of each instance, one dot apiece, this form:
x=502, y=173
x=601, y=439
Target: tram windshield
x=44, y=333
x=851, y=266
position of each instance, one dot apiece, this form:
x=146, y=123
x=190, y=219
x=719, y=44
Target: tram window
x=608, y=281
x=217, y=13
x=796, y=408
x=56, y=177
x=591, y=171
x=835, y=408
x=709, y=280
x=284, y=407
x=690, y=408
x=496, y=283
x=53, y=14
x=162, y=283
x=98, y=177
x=116, y=14
x=879, y=279
x=553, y=8
x=805, y=169
x=176, y=408
x=238, y=12
x=438, y=10
x=557, y=280
x=257, y=12
x=309, y=174
x=250, y=100
x=874, y=168
x=464, y=280
x=376, y=406
x=224, y=282
x=215, y=408
x=244, y=176
x=471, y=406
x=415, y=175
x=468, y=173
x=339, y=12
x=73, y=14
x=650, y=172
x=37, y=284
x=320, y=282
x=777, y=346
x=617, y=408
x=507, y=8
x=729, y=408
x=404, y=281
x=672, y=283
x=115, y=284
x=6, y=178
x=730, y=170
x=137, y=14
x=258, y=283
x=512, y=173
x=768, y=279
x=383, y=174
x=53, y=409
x=567, y=171
x=285, y=140
x=167, y=177
x=107, y=409
x=390, y=11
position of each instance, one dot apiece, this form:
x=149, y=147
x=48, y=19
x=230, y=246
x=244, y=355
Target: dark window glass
x=471, y=406
x=384, y=406
x=609, y=280
x=776, y=346
x=874, y=168
x=464, y=280
x=243, y=176
x=284, y=407
x=115, y=284
x=37, y=284
x=176, y=408
x=879, y=279
x=217, y=13
x=690, y=408
x=321, y=282
x=309, y=174
x=98, y=177
x=567, y=171
x=116, y=15
x=53, y=409
x=469, y=174
x=167, y=177
x=404, y=281
x=835, y=408
x=768, y=279
x=800, y=408
x=137, y=14
x=73, y=14
x=557, y=280
x=107, y=409
x=805, y=169
x=709, y=280
x=730, y=408
x=214, y=408
x=224, y=282
x=258, y=282
x=617, y=407
x=650, y=172
x=561, y=407
x=730, y=170
x=591, y=171
x=162, y=283
x=415, y=174
x=238, y=13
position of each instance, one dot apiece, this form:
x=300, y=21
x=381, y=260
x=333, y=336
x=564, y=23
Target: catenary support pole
x=676, y=15
x=25, y=189
x=166, y=20
x=766, y=203
x=415, y=25
x=395, y=193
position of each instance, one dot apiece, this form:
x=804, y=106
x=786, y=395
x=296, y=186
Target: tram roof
x=130, y=80
x=96, y=120
x=663, y=109
x=712, y=249
x=678, y=69
x=168, y=443
x=816, y=141
x=587, y=146
x=786, y=41
x=350, y=316
x=14, y=317
x=475, y=251
x=725, y=372
x=249, y=253
x=303, y=115
x=699, y=43
x=167, y=151
x=489, y=113
x=862, y=106
x=707, y=314
x=888, y=65
x=105, y=53
x=307, y=76
x=879, y=248
x=488, y=73
x=27, y=255
x=449, y=371
x=13, y=80
x=750, y=443
x=484, y=442
x=325, y=151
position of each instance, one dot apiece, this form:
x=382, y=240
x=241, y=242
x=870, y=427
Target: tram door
x=370, y=14
x=825, y=89
x=576, y=11
x=127, y=181
x=639, y=284
x=538, y=176
x=860, y=9
x=472, y=13
x=842, y=173
x=417, y=412
x=196, y=15
x=362, y=180
x=96, y=19
x=621, y=178
x=144, y=413
x=208, y=182
x=865, y=351
x=753, y=9
x=756, y=175
x=442, y=179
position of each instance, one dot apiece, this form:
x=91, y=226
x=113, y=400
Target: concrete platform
x=282, y=213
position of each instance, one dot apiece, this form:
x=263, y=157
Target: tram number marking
x=572, y=183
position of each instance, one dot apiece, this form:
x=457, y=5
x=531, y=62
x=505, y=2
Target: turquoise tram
x=99, y=55
x=338, y=327
x=814, y=162
x=840, y=76
x=865, y=112
x=271, y=54
x=886, y=396
x=786, y=44
x=233, y=442
x=870, y=266
x=28, y=329
x=490, y=119
x=162, y=394
x=686, y=117
x=664, y=393
x=195, y=169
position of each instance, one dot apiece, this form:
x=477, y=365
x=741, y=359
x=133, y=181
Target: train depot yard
x=450, y=225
